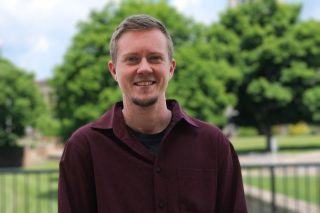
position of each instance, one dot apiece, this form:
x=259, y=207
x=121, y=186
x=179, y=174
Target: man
x=146, y=154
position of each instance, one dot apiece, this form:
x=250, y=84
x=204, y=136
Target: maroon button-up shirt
x=105, y=169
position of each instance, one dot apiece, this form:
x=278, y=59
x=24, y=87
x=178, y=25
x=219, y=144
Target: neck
x=152, y=119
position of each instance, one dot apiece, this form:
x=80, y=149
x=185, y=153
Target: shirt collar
x=113, y=118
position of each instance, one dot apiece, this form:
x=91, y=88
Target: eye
x=155, y=58
x=132, y=59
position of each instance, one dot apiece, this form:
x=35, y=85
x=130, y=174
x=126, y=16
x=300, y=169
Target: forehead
x=142, y=40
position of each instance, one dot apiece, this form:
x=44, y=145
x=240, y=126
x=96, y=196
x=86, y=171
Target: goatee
x=145, y=103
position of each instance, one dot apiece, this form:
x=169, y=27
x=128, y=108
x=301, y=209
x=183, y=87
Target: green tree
x=83, y=86
x=277, y=55
x=204, y=83
x=47, y=123
x=85, y=89
x=20, y=102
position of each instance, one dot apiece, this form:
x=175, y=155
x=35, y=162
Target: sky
x=35, y=34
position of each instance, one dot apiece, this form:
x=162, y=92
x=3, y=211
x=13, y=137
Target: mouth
x=144, y=83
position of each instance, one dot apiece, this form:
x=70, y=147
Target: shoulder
x=77, y=156
x=207, y=128
x=81, y=133
x=90, y=130
x=78, y=141
x=212, y=134
x=217, y=141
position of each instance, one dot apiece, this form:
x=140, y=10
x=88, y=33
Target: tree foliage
x=85, y=89
x=277, y=55
x=259, y=58
x=201, y=82
x=20, y=102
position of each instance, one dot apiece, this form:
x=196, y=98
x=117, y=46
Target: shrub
x=300, y=128
x=247, y=131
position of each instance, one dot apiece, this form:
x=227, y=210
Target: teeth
x=144, y=83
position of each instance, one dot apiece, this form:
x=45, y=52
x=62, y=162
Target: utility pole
x=232, y=3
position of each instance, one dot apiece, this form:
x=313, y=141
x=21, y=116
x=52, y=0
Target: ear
x=172, y=68
x=112, y=69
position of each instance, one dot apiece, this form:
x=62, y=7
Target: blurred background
x=250, y=67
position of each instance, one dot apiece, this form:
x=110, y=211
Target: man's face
x=143, y=68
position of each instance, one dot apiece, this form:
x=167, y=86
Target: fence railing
x=284, y=187
x=28, y=191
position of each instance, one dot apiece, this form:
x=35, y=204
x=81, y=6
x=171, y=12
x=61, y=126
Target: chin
x=145, y=102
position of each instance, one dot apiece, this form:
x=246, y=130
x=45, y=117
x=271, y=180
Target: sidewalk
x=258, y=158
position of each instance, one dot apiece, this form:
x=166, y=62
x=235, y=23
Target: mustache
x=144, y=78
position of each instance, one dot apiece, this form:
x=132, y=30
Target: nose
x=144, y=66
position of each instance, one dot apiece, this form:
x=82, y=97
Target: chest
x=182, y=177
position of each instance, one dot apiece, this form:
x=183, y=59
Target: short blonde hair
x=136, y=23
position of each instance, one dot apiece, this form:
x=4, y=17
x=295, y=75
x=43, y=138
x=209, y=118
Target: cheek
x=120, y=81
x=123, y=81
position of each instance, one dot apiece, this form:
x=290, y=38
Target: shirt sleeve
x=230, y=197
x=76, y=190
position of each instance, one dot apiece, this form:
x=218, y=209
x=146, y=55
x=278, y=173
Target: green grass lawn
x=291, y=144
x=29, y=192
x=45, y=165
x=301, y=187
x=305, y=188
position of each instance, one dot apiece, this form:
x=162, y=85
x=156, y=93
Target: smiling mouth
x=144, y=83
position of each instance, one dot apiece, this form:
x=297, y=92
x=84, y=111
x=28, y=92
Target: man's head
x=138, y=23
x=142, y=61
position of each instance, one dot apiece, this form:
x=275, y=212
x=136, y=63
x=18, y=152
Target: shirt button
x=158, y=169
x=161, y=204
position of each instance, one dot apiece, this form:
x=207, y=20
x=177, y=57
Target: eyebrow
x=136, y=53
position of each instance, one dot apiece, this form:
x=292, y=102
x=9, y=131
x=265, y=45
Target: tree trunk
x=268, y=134
x=11, y=156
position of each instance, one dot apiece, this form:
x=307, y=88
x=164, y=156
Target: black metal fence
x=282, y=187
x=269, y=188
x=28, y=191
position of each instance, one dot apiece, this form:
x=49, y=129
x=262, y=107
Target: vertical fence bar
x=273, y=189
x=2, y=196
x=14, y=192
x=307, y=186
x=285, y=186
x=26, y=188
x=260, y=186
x=1, y=191
x=248, y=177
x=4, y=193
x=297, y=185
x=49, y=193
x=38, y=192
x=318, y=180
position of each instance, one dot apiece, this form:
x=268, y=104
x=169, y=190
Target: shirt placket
x=159, y=188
